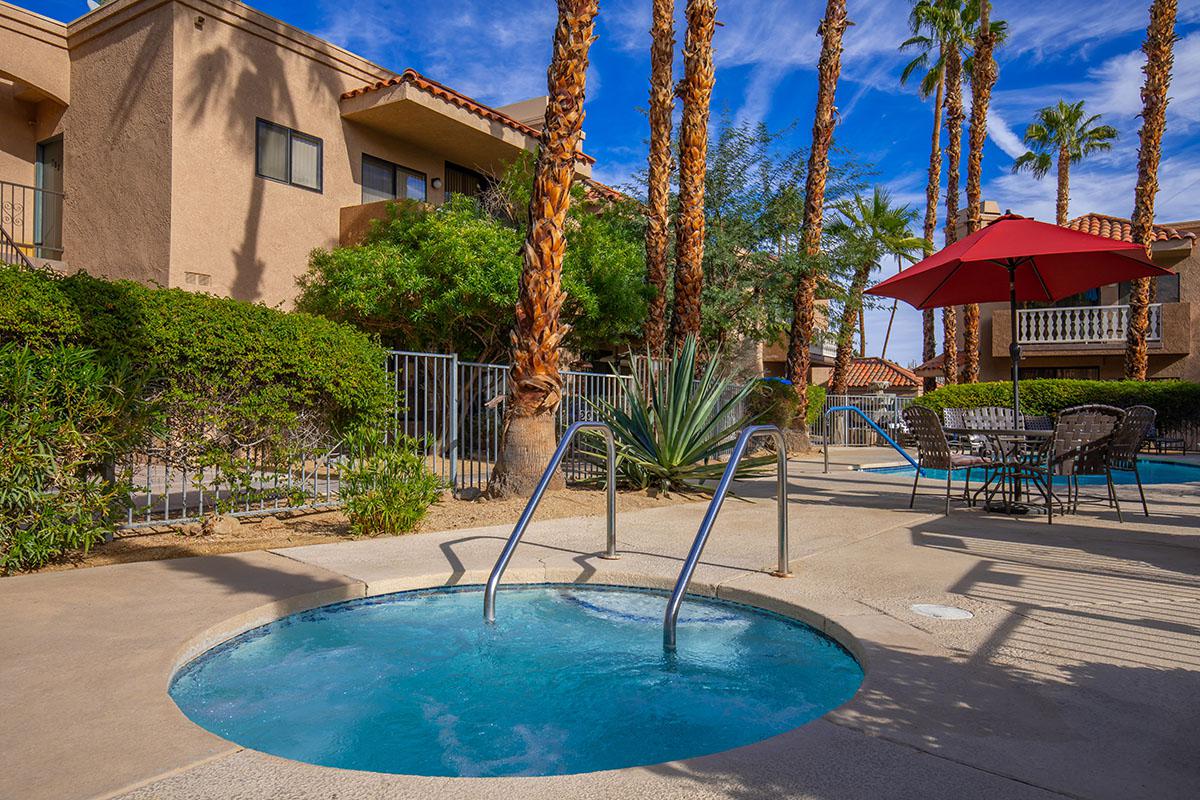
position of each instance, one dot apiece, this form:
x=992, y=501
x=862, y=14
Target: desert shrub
x=676, y=428
x=66, y=416
x=773, y=401
x=816, y=403
x=225, y=379
x=1177, y=402
x=386, y=487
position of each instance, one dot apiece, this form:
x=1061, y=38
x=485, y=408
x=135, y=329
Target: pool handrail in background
x=610, y=553
x=714, y=507
x=878, y=430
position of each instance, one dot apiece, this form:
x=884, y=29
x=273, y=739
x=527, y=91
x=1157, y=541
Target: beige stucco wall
x=18, y=142
x=117, y=144
x=33, y=51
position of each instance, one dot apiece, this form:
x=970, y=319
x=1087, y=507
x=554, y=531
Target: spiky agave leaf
x=671, y=433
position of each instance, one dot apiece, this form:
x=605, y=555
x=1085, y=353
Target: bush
x=94, y=369
x=677, y=427
x=387, y=487
x=65, y=418
x=773, y=401
x=1177, y=402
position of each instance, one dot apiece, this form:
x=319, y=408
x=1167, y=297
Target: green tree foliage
x=445, y=280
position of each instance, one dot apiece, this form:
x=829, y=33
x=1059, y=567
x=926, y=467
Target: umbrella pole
x=1014, y=349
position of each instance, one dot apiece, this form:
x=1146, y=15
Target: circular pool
x=569, y=679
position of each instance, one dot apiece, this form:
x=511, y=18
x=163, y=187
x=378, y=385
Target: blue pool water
x=568, y=680
x=1152, y=471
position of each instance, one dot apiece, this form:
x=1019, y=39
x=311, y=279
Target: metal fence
x=32, y=218
x=846, y=430
x=452, y=409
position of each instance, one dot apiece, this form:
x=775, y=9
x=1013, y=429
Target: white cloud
x=1003, y=136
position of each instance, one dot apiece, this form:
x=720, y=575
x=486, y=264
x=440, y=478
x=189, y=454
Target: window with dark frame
x=384, y=180
x=1164, y=289
x=288, y=156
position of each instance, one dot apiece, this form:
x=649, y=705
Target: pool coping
x=850, y=624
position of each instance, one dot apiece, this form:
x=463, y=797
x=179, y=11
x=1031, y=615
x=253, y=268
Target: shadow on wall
x=241, y=83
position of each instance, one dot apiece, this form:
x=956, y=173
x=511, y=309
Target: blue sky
x=766, y=51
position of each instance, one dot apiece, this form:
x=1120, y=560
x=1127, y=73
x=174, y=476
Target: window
x=460, y=180
x=1071, y=373
x=383, y=180
x=197, y=279
x=1163, y=289
x=288, y=156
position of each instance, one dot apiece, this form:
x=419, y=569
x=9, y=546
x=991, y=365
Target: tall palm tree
x=954, y=120
x=804, y=301
x=1159, y=48
x=535, y=385
x=931, y=33
x=695, y=90
x=662, y=104
x=867, y=229
x=1062, y=135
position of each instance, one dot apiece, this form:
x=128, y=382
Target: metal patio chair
x=933, y=452
x=1128, y=440
x=1078, y=448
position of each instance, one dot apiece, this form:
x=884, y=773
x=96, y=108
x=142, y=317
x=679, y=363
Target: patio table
x=1009, y=446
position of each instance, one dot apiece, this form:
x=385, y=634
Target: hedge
x=1177, y=402
x=92, y=370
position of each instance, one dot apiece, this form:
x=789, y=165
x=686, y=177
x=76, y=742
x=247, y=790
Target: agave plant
x=671, y=432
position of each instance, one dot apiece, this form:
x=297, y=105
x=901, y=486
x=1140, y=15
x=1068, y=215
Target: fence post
x=452, y=405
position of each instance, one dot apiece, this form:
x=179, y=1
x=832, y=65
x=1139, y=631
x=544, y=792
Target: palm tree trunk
x=845, y=337
x=662, y=102
x=535, y=385
x=954, y=120
x=932, y=186
x=696, y=92
x=1160, y=55
x=829, y=67
x=1063, y=201
x=982, y=80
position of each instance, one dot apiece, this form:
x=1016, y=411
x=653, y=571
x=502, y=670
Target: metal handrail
x=874, y=425
x=493, y=582
x=714, y=507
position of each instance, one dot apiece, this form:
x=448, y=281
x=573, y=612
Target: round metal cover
x=941, y=612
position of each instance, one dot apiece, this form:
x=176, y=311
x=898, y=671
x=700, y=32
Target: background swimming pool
x=569, y=679
x=1152, y=471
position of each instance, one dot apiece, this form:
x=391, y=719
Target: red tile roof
x=1122, y=229
x=934, y=367
x=443, y=92
x=866, y=372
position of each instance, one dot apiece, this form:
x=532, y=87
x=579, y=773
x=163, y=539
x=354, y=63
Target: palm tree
x=1062, y=135
x=662, y=103
x=867, y=230
x=695, y=90
x=930, y=36
x=983, y=78
x=535, y=385
x=804, y=301
x=1159, y=48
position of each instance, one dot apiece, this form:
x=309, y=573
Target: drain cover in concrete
x=941, y=612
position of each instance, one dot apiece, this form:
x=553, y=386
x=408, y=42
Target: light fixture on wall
x=436, y=183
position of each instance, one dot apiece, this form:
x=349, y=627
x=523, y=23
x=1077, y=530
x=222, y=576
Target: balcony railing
x=32, y=218
x=1081, y=325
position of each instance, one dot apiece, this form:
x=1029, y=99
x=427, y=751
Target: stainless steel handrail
x=714, y=507
x=493, y=583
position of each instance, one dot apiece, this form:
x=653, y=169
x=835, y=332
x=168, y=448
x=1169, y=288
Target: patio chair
x=1078, y=448
x=1162, y=443
x=1037, y=422
x=933, y=452
x=1127, y=441
x=989, y=418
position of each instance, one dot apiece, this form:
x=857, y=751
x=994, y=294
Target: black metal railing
x=31, y=219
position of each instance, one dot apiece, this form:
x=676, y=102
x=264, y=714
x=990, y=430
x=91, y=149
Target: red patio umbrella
x=1021, y=260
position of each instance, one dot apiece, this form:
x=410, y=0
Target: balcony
x=1095, y=330
x=31, y=219
x=1081, y=325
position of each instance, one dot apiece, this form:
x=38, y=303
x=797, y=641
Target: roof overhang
x=422, y=117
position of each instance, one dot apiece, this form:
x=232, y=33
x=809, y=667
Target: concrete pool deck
x=1079, y=675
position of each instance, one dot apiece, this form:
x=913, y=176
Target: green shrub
x=677, y=427
x=816, y=403
x=773, y=401
x=386, y=487
x=217, y=376
x=65, y=418
x=1177, y=402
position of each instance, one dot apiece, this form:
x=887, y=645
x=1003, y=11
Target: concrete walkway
x=1079, y=675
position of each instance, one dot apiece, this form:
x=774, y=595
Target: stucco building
x=204, y=145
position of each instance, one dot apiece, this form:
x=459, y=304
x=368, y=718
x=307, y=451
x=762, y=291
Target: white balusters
x=1081, y=324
